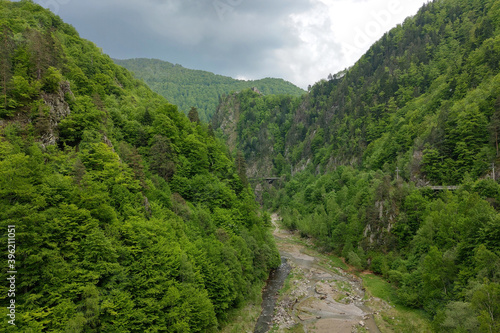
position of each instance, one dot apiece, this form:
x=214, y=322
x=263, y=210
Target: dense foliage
x=129, y=217
x=424, y=100
x=440, y=249
x=195, y=88
x=259, y=124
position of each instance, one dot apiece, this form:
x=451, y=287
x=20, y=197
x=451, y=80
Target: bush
x=354, y=260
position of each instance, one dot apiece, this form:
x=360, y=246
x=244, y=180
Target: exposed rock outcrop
x=58, y=110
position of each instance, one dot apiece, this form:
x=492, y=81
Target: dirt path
x=320, y=298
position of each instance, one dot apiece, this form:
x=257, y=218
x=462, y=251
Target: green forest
x=133, y=202
x=189, y=88
x=129, y=216
x=360, y=155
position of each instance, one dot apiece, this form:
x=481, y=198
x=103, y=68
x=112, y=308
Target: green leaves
x=105, y=244
x=85, y=116
x=437, y=247
x=485, y=301
x=51, y=80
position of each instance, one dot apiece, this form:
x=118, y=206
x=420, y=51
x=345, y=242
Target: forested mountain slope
x=195, y=88
x=421, y=98
x=128, y=216
x=425, y=101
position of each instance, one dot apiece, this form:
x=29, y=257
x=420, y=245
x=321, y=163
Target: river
x=320, y=298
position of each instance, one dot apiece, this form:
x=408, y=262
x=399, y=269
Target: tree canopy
x=129, y=217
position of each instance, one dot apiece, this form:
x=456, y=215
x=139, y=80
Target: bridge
x=442, y=188
x=270, y=180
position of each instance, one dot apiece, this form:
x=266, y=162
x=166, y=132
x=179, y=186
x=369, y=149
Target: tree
x=193, y=115
x=438, y=274
x=241, y=168
x=485, y=301
x=40, y=50
x=162, y=157
x=459, y=317
x=147, y=119
x=134, y=159
x=495, y=124
x=431, y=164
x=6, y=51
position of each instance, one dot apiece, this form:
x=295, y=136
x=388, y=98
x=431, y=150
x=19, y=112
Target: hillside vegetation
x=189, y=88
x=129, y=217
x=355, y=154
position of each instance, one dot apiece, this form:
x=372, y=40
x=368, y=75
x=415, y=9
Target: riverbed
x=318, y=297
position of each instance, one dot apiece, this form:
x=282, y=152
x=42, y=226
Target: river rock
x=305, y=317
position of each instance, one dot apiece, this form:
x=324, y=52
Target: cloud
x=299, y=40
x=317, y=51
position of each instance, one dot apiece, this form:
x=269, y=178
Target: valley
x=370, y=203
x=321, y=293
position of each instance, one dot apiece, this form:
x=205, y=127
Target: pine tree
x=147, y=119
x=161, y=157
x=6, y=50
x=495, y=124
x=193, y=115
x=241, y=168
x=44, y=51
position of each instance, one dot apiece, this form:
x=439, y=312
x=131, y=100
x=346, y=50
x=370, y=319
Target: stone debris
x=305, y=317
x=319, y=298
x=281, y=315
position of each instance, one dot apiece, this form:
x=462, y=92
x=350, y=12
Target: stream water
x=270, y=294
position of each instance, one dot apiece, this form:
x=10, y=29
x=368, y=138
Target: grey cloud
x=194, y=33
x=292, y=39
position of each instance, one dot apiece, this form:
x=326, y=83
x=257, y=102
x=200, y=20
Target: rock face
x=226, y=119
x=58, y=110
x=255, y=90
x=259, y=161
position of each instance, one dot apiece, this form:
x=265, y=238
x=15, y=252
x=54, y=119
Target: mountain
x=195, y=88
x=361, y=155
x=422, y=88
x=119, y=214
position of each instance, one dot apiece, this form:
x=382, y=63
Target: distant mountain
x=188, y=87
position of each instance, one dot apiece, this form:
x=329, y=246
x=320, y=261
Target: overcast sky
x=301, y=41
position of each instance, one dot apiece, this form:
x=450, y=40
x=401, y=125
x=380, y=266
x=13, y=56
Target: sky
x=301, y=41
